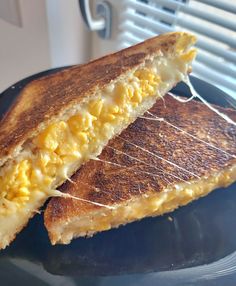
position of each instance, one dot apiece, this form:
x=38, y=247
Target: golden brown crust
x=44, y=99
x=110, y=184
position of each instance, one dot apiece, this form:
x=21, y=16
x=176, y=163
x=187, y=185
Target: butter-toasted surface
x=44, y=100
x=53, y=153
x=150, y=162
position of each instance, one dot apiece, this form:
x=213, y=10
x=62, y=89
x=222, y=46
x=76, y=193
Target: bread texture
x=56, y=96
x=150, y=169
x=41, y=140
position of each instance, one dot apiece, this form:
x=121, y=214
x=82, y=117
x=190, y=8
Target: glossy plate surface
x=197, y=246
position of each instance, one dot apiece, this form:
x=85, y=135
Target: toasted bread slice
x=166, y=159
x=60, y=121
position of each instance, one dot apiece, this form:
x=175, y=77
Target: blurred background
x=37, y=35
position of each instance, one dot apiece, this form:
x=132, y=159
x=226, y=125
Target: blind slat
x=221, y=5
x=156, y=26
x=153, y=11
x=218, y=20
x=137, y=34
x=171, y=18
x=214, y=34
x=216, y=65
x=130, y=38
x=136, y=30
x=214, y=76
x=214, y=49
x=214, y=27
x=159, y=27
x=229, y=24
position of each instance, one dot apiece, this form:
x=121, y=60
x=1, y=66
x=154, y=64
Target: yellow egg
x=24, y=168
x=137, y=96
x=120, y=94
x=82, y=136
x=76, y=123
x=113, y=109
x=52, y=136
x=63, y=143
x=189, y=56
x=95, y=107
x=108, y=117
x=23, y=192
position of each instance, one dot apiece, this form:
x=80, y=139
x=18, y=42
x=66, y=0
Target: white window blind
x=213, y=21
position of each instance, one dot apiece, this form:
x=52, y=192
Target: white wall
x=24, y=50
x=52, y=35
x=69, y=38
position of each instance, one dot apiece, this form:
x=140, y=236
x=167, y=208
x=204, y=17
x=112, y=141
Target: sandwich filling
x=55, y=153
x=152, y=204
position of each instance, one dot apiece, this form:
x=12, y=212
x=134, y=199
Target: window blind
x=214, y=23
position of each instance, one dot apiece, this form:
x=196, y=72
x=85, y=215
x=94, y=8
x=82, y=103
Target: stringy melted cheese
x=142, y=206
x=66, y=144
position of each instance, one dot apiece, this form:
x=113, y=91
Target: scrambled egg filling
x=65, y=144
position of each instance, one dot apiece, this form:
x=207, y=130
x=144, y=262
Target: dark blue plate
x=196, y=247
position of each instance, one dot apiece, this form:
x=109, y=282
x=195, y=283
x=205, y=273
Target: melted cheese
x=142, y=206
x=66, y=144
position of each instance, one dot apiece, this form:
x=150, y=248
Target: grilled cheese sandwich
x=165, y=159
x=49, y=147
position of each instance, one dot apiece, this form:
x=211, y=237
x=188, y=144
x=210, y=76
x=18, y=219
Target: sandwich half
x=171, y=156
x=60, y=121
